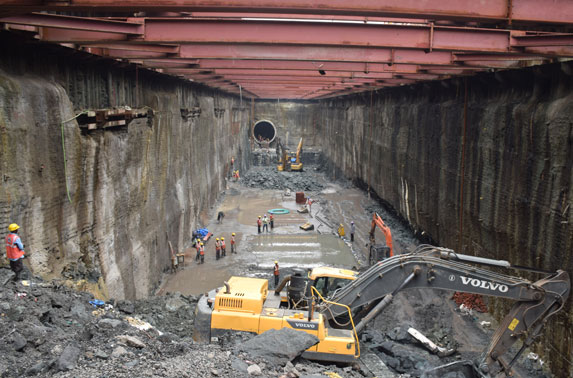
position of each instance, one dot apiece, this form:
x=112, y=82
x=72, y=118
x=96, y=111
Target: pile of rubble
x=51, y=330
x=271, y=178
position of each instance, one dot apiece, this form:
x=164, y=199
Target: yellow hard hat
x=233, y=234
x=202, y=244
x=259, y=216
x=13, y=227
x=222, y=238
x=276, y=262
x=217, y=239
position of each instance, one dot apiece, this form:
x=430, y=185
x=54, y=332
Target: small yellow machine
x=296, y=165
x=245, y=304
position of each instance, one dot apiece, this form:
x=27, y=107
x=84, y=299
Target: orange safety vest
x=12, y=250
x=222, y=244
x=276, y=270
x=232, y=240
x=217, y=245
x=259, y=222
x=202, y=251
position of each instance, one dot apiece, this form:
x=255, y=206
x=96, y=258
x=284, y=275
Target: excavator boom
x=440, y=268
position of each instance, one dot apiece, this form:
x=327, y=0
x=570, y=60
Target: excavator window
x=326, y=286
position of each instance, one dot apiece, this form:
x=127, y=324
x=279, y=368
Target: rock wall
x=482, y=165
x=131, y=189
x=293, y=120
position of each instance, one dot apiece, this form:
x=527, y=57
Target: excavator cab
x=296, y=165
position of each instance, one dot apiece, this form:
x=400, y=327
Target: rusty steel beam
x=492, y=57
x=76, y=36
x=560, y=39
x=291, y=65
x=393, y=36
x=75, y=23
x=124, y=54
x=166, y=49
x=313, y=53
x=398, y=36
x=525, y=11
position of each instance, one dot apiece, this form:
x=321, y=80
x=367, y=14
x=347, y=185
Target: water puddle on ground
x=304, y=251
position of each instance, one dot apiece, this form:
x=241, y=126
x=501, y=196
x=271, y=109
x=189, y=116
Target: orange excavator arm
x=378, y=222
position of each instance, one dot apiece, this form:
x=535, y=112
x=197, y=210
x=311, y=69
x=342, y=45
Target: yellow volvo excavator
x=335, y=305
x=286, y=162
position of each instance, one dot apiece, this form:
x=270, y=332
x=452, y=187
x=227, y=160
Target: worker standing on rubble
x=15, y=251
x=276, y=273
x=259, y=222
x=265, y=223
x=223, y=248
x=272, y=220
x=202, y=253
x=352, y=230
x=233, y=243
x=217, y=249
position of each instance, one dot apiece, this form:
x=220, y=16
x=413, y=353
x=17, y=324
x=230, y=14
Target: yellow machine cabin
x=244, y=304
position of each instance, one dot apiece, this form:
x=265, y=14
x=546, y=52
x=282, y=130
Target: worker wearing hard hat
x=217, y=249
x=233, y=243
x=259, y=223
x=15, y=251
x=223, y=248
x=276, y=273
x=202, y=253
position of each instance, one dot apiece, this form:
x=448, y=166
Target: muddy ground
x=50, y=330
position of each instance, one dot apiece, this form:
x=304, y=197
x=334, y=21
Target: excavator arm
x=440, y=268
x=299, y=151
x=379, y=252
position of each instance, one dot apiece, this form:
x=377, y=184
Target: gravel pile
x=270, y=178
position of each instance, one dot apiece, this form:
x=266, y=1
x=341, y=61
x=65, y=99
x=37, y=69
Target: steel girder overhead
x=301, y=49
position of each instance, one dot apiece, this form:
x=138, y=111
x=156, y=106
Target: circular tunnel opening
x=264, y=131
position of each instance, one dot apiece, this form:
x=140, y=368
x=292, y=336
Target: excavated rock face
x=131, y=189
x=482, y=165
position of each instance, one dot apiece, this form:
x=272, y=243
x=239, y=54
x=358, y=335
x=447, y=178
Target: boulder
x=69, y=358
x=131, y=341
x=278, y=346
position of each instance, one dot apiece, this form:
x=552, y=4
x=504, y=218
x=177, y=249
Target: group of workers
x=264, y=222
x=220, y=248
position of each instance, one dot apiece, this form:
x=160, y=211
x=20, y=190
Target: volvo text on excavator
x=335, y=305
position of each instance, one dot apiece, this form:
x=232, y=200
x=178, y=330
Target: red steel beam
x=292, y=65
x=139, y=47
x=75, y=36
x=542, y=40
x=529, y=11
x=75, y=23
x=313, y=53
x=492, y=57
x=405, y=36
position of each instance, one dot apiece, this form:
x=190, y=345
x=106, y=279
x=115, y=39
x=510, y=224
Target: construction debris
x=470, y=301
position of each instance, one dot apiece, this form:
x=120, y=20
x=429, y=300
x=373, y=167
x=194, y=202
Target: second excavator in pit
x=336, y=310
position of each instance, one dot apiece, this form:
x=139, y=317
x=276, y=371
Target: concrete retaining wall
x=482, y=165
x=131, y=189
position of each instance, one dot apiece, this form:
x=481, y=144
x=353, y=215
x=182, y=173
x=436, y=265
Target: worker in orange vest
x=233, y=243
x=15, y=251
x=276, y=273
x=259, y=223
x=272, y=219
x=202, y=253
x=223, y=248
x=217, y=249
x=198, y=247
